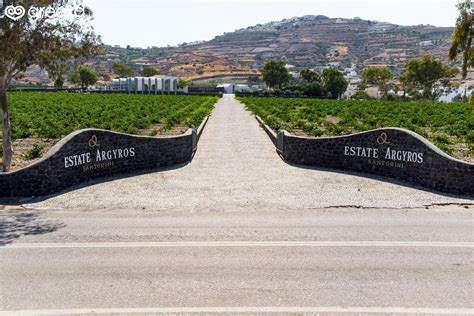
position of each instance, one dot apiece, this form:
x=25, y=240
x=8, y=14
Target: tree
x=424, y=73
x=334, y=83
x=75, y=78
x=275, y=73
x=87, y=76
x=123, y=71
x=150, y=72
x=56, y=72
x=309, y=75
x=40, y=41
x=377, y=76
x=106, y=77
x=406, y=85
x=462, y=37
x=313, y=89
x=182, y=83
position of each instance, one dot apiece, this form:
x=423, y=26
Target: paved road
x=238, y=230
x=236, y=168
x=136, y=261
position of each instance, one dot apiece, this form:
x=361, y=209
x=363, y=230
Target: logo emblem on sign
x=93, y=142
x=383, y=139
x=14, y=12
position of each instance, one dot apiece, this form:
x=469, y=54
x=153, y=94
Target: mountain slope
x=308, y=41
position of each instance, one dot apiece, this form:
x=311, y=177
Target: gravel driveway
x=236, y=167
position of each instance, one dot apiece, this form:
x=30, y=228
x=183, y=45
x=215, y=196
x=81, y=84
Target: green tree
x=462, y=37
x=56, y=73
x=75, y=78
x=275, y=74
x=87, y=76
x=309, y=75
x=123, y=71
x=41, y=42
x=182, y=83
x=150, y=72
x=377, y=76
x=424, y=73
x=313, y=89
x=407, y=86
x=334, y=83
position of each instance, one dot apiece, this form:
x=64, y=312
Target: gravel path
x=235, y=168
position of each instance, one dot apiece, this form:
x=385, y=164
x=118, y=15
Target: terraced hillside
x=307, y=41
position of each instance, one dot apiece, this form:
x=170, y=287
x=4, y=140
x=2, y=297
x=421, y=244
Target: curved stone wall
x=390, y=152
x=91, y=153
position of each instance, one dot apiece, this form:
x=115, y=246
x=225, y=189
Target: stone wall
x=91, y=153
x=390, y=152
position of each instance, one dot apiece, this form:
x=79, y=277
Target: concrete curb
x=271, y=133
x=201, y=127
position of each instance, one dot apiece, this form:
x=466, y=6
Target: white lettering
x=420, y=158
x=101, y=156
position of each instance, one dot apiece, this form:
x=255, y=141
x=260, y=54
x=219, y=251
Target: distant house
x=320, y=69
x=233, y=88
x=425, y=43
x=156, y=84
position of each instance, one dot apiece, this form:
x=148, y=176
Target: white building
x=154, y=85
x=233, y=88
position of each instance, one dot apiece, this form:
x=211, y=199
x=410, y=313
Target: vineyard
x=450, y=126
x=39, y=119
x=54, y=115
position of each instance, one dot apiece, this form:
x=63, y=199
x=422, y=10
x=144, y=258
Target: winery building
x=149, y=85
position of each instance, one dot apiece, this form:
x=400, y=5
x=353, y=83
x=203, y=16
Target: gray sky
x=143, y=23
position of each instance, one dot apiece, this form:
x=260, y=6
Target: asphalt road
x=138, y=261
x=238, y=230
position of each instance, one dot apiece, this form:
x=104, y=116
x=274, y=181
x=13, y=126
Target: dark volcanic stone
x=432, y=169
x=123, y=153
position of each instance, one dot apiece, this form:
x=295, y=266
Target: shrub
x=360, y=95
x=35, y=152
x=391, y=97
x=313, y=89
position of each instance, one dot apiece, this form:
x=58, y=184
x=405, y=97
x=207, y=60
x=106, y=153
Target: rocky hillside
x=308, y=41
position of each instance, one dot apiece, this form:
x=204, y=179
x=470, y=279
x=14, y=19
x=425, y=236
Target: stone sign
x=92, y=153
x=391, y=152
